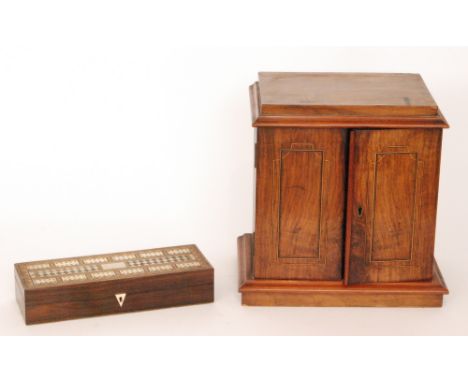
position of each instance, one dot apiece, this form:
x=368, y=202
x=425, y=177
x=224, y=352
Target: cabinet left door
x=300, y=200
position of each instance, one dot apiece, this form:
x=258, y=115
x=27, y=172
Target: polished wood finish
x=347, y=172
x=273, y=292
x=329, y=298
x=365, y=94
x=62, y=289
x=300, y=201
x=393, y=205
x=342, y=121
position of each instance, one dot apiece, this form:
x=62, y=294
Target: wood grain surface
x=67, y=288
x=365, y=94
x=393, y=211
x=347, y=172
x=389, y=120
x=300, y=203
x=274, y=292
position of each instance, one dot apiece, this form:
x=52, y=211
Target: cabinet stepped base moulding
x=257, y=292
x=346, y=174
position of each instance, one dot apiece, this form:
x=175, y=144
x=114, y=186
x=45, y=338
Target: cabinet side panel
x=300, y=204
x=394, y=204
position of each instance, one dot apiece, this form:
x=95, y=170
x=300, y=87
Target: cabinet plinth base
x=262, y=292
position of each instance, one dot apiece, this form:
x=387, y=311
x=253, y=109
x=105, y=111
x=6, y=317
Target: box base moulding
x=262, y=292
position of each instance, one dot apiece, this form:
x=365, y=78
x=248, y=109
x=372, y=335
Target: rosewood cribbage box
x=67, y=288
x=347, y=173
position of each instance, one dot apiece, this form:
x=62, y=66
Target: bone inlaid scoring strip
x=114, y=266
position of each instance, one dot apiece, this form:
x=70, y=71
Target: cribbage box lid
x=66, y=288
x=114, y=266
x=282, y=99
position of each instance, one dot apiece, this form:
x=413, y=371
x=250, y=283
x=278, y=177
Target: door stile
x=349, y=208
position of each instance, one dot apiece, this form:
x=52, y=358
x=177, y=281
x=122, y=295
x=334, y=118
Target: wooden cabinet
x=347, y=172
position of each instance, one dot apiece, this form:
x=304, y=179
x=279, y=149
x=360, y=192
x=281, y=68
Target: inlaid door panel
x=394, y=177
x=300, y=203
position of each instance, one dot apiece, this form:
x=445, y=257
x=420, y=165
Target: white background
x=119, y=134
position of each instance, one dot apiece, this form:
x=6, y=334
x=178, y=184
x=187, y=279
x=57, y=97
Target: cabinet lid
x=342, y=95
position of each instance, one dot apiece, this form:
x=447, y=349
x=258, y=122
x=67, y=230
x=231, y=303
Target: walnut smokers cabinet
x=347, y=172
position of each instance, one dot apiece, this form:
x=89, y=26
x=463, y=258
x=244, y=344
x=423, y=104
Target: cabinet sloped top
x=383, y=98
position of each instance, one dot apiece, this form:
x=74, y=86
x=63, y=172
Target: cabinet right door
x=393, y=184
